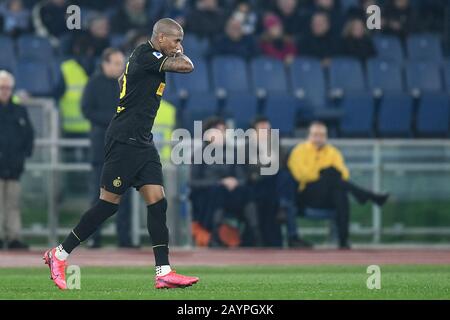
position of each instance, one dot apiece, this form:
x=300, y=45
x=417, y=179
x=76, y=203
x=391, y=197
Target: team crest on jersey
x=117, y=182
x=157, y=54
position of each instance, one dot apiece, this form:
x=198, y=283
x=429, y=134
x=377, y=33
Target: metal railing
x=373, y=152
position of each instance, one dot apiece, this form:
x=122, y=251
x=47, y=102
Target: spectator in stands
x=132, y=15
x=264, y=186
x=286, y=192
x=178, y=11
x=333, y=12
x=247, y=16
x=97, y=5
x=49, y=19
x=74, y=77
x=323, y=180
x=163, y=127
x=234, y=42
x=360, y=9
x=206, y=20
x=401, y=18
x=134, y=39
x=434, y=15
x=274, y=43
x=97, y=37
x=220, y=197
x=16, y=18
x=16, y=144
x=99, y=104
x=356, y=41
x=288, y=12
x=320, y=42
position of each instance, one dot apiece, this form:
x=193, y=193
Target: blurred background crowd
x=313, y=52
x=264, y=63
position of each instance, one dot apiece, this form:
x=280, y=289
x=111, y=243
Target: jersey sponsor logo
x=157, y=54
x=117, y=182
x=160, y=90
x=120, y=109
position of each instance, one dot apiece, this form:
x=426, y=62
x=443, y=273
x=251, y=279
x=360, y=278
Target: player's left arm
x=179, y=63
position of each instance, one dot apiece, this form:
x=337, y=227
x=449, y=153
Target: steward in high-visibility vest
x=75, y=79
x=163, y=127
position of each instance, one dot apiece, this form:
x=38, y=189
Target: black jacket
x=321, y=47
x=16, y=140
x=209, y=175
x=99, y=104
x=361, y=49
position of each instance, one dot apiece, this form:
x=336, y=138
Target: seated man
x=323, y=179
x=264, y=186
x=220, y=196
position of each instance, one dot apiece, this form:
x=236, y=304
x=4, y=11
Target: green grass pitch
x=236, y=283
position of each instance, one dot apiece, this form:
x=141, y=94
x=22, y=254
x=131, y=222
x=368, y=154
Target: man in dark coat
x=16, y=144
x=99, y=103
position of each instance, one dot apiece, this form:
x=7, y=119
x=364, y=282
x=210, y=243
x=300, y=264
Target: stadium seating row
x=394, y=115
x=425, y=46
x=424, y=57
x=307, y=79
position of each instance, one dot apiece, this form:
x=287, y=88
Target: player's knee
x=109, y=196
x=152, y=194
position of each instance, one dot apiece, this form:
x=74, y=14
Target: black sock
x=159, y=234
x=89, y=222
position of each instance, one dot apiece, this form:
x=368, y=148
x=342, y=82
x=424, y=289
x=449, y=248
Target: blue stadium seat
x=424, y=47
x=230, y=73
x=34, y=77
x=194, y=47
x=358, y=115
x=242, y=108
x=433, y=115
x=198, y=107
x=384, y=76
x=269, y=75
x=282, y=111
x=34, y=48
x=388, y=48
x=194, y=82
x=346, y=76
x=447, y=76
x=395, y=116
x=308, y=81
x=7, y=56
x=423, y=76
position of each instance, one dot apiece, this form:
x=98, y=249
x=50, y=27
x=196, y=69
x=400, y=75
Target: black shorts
x=127, y=165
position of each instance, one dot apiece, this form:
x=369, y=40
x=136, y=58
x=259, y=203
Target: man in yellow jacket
x=323, y=179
